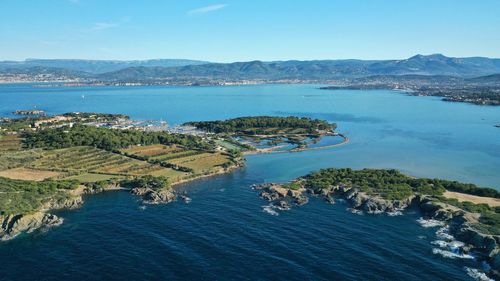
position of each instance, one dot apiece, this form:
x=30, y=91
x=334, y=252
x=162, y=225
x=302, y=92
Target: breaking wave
x=477, y=274
x=270, y=209
x=450, y=254
x=429, y=223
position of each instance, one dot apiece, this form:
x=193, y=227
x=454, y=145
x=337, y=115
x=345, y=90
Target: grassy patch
x=20, y=197
x=96, y=161
x=152, y=150
x=29, y=174
x=19, y=158
x=201, y=163
x=90, y=177
x=10, y=143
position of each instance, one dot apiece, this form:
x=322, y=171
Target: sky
x=243, y=30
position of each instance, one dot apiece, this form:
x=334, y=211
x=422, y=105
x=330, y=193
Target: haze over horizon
x=257, y=30
x=207, y=61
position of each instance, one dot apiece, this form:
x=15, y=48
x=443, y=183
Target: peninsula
x=49, y=162
x=465, y=212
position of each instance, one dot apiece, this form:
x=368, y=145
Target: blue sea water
x=224, y=233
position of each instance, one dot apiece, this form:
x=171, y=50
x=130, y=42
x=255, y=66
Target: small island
x=33, y=112
x=465, y=212
x=268, y=134
x=50, y=162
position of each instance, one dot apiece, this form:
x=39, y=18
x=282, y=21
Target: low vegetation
x=85, y=159
x=391, y=184
x=9, y=143
x=20, y=196
x=155, y=183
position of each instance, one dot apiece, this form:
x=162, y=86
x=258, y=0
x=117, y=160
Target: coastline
x=11, y=226
x=458, y=235
x=271, y=150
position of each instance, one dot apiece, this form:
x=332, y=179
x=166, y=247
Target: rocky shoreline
x=13, y=225
x=457, y=223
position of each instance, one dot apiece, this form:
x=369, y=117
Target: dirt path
x=493, y=202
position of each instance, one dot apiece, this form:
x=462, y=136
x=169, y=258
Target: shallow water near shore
x=224, y=233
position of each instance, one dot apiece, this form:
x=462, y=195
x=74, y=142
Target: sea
x=226, y=232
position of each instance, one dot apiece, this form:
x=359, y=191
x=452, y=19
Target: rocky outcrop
x=13, y=225
x=458, y=223
x=375, y=204
x=461, y=227
x=281, y=197
x=151, y=196
x=71, y=202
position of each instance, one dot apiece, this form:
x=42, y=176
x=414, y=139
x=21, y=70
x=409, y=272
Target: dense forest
x=108, y=139
x=391, y=184
x=265, y=125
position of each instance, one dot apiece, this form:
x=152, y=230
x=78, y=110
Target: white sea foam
x=355, y=211
x=453, y=246
x=450, y=254
x=270, y=210
x=440, y=243
x=477, y=274
x=443, y=234
x=395, y=213
x=429, y=223
x=142, y=207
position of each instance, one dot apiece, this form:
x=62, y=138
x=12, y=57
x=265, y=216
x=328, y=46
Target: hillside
x=187, y=71
x=95, y=66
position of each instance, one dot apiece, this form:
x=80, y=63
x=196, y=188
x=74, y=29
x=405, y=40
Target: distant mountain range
x=94, y=66
x=318, y=70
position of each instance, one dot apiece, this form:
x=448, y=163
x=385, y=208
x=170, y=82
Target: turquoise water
x=224, y=233
x=421, y=136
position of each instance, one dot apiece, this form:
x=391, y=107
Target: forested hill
x=266, y=125
x=318, y=70
x=93, y=66
x=195, y=71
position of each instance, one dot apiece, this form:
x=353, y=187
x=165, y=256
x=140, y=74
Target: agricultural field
x=9, y=143
x=91, y=177
x=97, y=161
x=203, y=162
x=199, y=161
x=15, y=159
x=152, y=150
x=28, y=174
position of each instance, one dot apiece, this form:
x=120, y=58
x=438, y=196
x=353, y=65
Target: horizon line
x=250, y=60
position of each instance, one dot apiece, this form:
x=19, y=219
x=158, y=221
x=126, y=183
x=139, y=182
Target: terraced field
x=175, y=155
x=9, y=144
x=28, y=174
x=96, y=161
x=203, y=162
x=91, y=177
x=199, y=161
x=17, y=159
x=152, y=150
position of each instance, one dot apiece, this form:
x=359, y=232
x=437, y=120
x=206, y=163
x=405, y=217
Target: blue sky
x=230, y=30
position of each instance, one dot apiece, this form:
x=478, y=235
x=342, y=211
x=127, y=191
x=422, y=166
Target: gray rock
x=14, y=225
x=150, y=196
